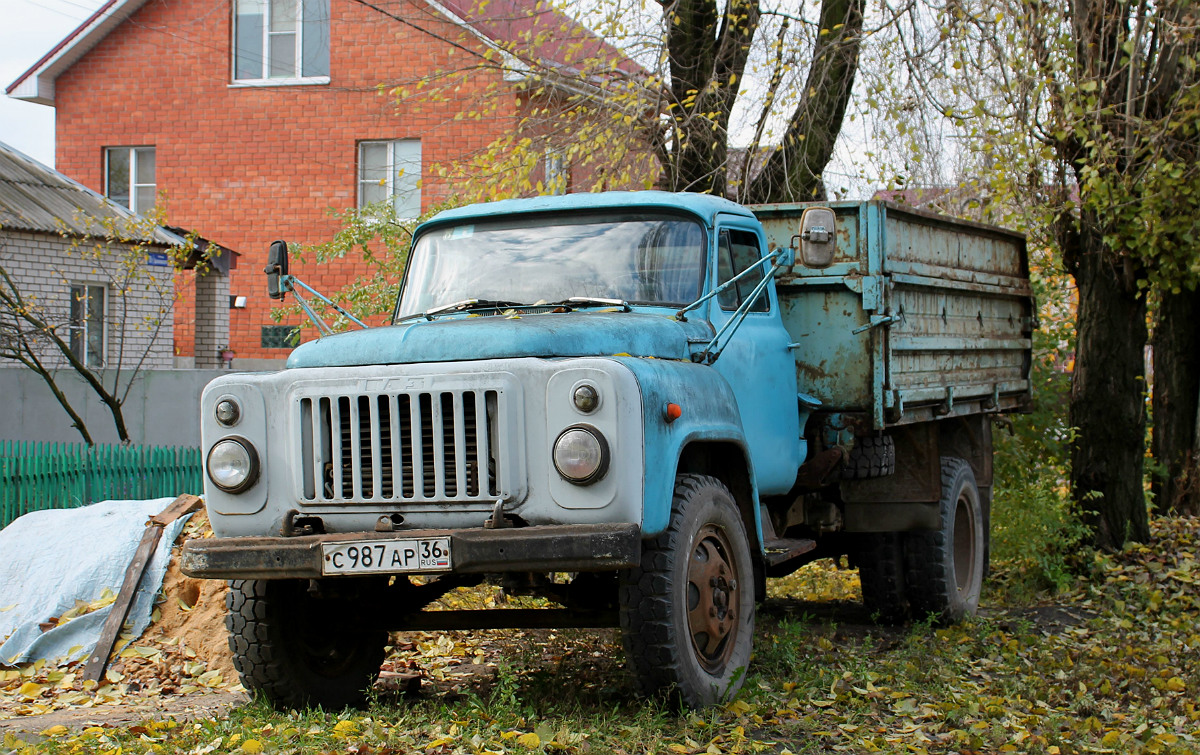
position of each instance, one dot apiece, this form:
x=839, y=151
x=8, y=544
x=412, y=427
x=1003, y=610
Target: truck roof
x=704, y=206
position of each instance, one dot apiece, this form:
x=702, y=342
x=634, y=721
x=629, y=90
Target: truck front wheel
x=944, y=568
x=687, y=614
x=298, y=650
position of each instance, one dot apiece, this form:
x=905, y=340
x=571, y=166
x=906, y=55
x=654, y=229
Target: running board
x=779, y=550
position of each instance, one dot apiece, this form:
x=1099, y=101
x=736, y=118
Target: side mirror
x=818, y=237
x=277, y=266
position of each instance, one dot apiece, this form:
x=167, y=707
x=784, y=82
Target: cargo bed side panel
x=942, y=309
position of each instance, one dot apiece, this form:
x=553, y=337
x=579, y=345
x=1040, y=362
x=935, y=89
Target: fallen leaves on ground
x=1113, y=665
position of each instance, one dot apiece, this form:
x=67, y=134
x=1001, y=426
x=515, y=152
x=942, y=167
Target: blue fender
x=710, y=413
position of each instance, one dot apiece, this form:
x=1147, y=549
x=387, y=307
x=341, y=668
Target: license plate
x=414, y=554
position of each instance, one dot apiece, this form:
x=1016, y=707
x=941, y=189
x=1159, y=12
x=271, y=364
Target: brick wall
x=243, y=166
x=44, y=266
x=212, y=319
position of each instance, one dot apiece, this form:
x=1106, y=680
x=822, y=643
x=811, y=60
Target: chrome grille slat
x=437, y=430
x=355, y=467
x=376, y=450
x=335, y=425
x=461, y=461
x=483, y=448
x=416, y=446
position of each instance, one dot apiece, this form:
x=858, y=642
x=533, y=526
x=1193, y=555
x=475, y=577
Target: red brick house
x=255, y=117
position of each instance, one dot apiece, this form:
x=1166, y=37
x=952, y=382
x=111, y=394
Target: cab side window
x=736, y=251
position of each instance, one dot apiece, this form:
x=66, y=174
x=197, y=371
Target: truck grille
x=410, y=446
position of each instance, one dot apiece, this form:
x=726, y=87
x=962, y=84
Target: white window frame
x=298, y=63
x=390, y=181
x=82, y=328
x=134, y=207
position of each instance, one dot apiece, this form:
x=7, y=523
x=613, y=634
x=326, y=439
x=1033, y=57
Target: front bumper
x=573, y=547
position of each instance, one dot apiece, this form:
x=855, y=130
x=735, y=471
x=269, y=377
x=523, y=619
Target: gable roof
x=505, y=25
x=40, y=199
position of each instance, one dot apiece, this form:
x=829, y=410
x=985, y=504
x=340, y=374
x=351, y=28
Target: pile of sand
x=192, y=611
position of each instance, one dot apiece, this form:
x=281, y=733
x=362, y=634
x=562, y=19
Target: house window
x=129, y=177
x=280, y=336
x=558, y=177
x=736, y=251
x=280, y=41
x=87, y=324
x=391, y=171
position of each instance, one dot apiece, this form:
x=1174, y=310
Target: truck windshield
x=640, y=259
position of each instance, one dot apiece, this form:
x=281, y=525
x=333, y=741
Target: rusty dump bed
x=920, y=315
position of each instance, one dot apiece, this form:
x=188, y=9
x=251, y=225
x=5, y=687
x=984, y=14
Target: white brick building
x=94, y=272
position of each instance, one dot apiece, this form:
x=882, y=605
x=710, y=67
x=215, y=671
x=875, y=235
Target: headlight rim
x=251, y=475
x=605, y=455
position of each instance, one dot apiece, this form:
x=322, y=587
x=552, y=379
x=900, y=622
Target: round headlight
x=232, y=465
x=581, y=455
x=228, y=412
x=587, y=398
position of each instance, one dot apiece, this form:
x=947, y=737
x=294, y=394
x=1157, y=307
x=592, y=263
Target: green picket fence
x=36, y=476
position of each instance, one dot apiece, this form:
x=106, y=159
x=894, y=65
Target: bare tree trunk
x=1108, y=391
x=793, y=171
x=1175, y=402
x=707, y=56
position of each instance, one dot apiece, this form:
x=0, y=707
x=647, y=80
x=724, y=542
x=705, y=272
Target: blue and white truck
x=640, y=405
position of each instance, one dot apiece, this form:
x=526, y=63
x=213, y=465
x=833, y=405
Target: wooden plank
x=96, y=664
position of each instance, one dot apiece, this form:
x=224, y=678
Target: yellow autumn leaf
x=55, y=731
x=1175, y=684
x=252, y=747
x=1111, y=739
x=30, y=690
x=530, y=740
x=345, y=728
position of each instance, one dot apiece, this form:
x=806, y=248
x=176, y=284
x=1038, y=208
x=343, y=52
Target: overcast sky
x=28, y=30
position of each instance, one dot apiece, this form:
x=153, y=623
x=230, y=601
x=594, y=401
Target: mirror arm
x=710, y=354
x=778, y=254
x=322, y=326
x=294, y=281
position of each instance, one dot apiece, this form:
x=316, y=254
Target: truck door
x=756, y=361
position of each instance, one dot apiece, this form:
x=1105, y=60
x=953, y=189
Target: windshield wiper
x=594, y=301
x=458, y=306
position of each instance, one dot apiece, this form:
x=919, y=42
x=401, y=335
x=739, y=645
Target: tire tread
x=646, y=604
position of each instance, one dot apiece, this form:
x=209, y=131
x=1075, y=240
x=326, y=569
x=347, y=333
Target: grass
x=1113, y=665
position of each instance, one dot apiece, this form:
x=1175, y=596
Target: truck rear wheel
x=687, y=614
x=944, y=568
x=297, y=650
x=880, y=559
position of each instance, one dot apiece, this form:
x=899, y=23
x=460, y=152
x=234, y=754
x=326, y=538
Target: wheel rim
x=713, y=598
x=330, y=657
x=318, y=634
x=964, y=544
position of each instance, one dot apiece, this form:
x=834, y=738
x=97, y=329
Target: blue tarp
x=51, y=559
